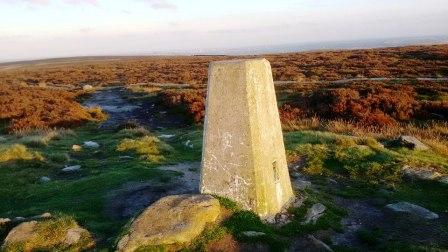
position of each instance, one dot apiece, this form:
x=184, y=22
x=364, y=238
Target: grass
x=17, y=152
x=149, y=148
x=82, y=195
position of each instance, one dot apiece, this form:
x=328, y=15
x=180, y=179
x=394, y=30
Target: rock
x=189, y=144
x=444, y=180
x=412, y=143
x=295, y=175
x=39, y=236
x=73, y=235
x=320, y=245
x=4, y=221
x=45, y=215
x=301, y=184
x=166, y=136
x=87, y=87
x=19, y=219
x=298, y=202
x=173, y=220
x=91, y=144
x=125, y=157
x=282, y=219
x=45, y=179
x=2, y=139
x=76, y=147
x=406, y=207
x=314, y=213
x=71, y=168
x=420, y=173
x=252, y=234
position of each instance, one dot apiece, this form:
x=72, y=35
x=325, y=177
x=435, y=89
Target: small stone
x=91, y=144
x=301, y=184
x=3, y=139
x=73, y=235
x=45, y=179
x=444, y=180
x=76, y=148
x=72, y=168
x=46, y=215
x=406, y=207
x=4, y=221
x=87, y=87
x=19, y=218
x=314, y=213
x=298, y=202
x=166, y=136
x=125, y=157
x=295, y=175
x=189, y=144
x=320, y=244
x=252, y=234
x=412, y=143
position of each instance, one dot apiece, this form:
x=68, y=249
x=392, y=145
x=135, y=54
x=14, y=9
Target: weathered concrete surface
x=171, y=221
x=243, y=154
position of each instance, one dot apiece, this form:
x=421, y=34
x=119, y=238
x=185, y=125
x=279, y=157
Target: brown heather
x=27, y=108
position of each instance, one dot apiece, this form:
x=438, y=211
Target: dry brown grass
x=409, y=62
x=25, y=109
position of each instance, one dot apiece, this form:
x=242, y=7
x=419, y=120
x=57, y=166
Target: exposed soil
x=133, y=197
x=122, y=107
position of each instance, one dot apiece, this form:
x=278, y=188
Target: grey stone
x=295, y=175
x=420, y=173
x=301, y=184
x=406, y=207
x=165, y=136
x=412, y=143
x=444, y=180
x=252, y=234
x=3, y=139
x=320, y=245
x=45, y=179
x=71, y=168
x=314, y=213
x=91, y=144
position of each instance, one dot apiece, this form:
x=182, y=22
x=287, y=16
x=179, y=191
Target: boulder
x=420, y=173
x=412, y=143
x=406, y=207
x=59, y=235
x=314, y=213
x=171, y=221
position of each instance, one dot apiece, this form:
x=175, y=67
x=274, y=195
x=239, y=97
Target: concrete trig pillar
x=243, y=156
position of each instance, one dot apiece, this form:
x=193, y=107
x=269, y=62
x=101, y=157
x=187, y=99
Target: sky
x=58, y=28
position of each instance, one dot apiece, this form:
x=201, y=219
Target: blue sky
x=53, y=28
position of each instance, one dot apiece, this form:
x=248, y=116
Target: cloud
x=76, y=2
x=161, y=4
x=34, y=3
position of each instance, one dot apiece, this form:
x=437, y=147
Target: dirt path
x=123, y=106
x=133, y=197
